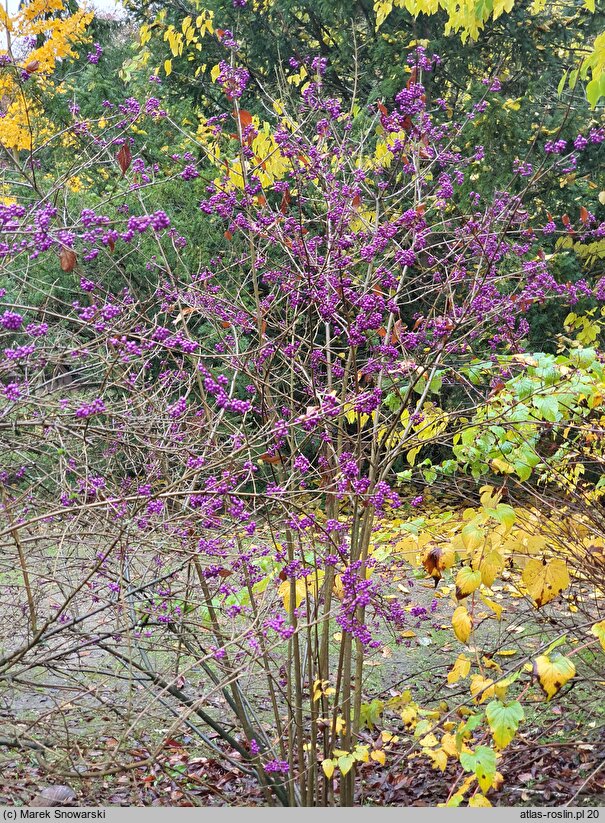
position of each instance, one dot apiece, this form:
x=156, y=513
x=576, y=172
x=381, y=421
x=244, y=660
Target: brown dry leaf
x=270, y=458
x=436, y=559
x=68, y=259
x=124, y=158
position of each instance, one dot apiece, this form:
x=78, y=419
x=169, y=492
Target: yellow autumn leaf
x=408, y=547
x=439, y=759
x=478, y=801
x=361, y=753
x=338, y=589
x=513, y=105
x=501, y=466
x=553, y=673
x=460, y=669
x=168, y=67
x=462, y=623
x=598, y=630
x=328, y=767
x=315, y=582
x=545, y=580
x=501, y=6
x=467, y=581
x=459, y=796
x=284, y=592
x=448, y=744
x=489, y=497
x=491, y=604
x=379, y=756
x=526, y=543
x=472, y=536
x=382, y=9
x=481, y=688
x=490, y=567
x=408, y=715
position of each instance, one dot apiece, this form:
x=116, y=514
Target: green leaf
x=584, y=358
x=345, y=762
x=504, y=721
x=392, y=401
x=522, y=470
x=523, y=387
x=483, y=763
x=500, y=688
x=595, y=89
x=436, y=384
x=548, y=407
x=430, y=475
x=472, y=536
x=555, y=644
x=505, y=515
x=562, y=82
x=474, y=374
x=573, y=79
x=473, y=722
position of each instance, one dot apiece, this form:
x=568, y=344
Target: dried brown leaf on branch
x=124, y=158
x=68, y=259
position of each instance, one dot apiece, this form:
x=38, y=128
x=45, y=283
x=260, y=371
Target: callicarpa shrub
x=200, y=451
